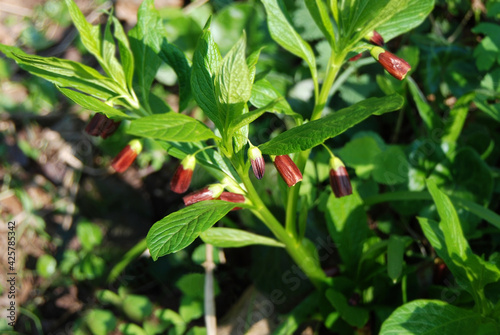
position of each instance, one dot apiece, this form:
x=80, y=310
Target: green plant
x=233, y=92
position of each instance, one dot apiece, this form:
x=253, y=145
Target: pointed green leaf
x=64, y=73
x=263, y=93
x=428, y=115
x=206, y=60
x=316, y=132
x=319, y=12
x=347, y=225
x=361, y=17
x=93, y=104
x=431, y=317
x=252, y=63
x=170, y=126
x=179, y=229
x=456, y=119
x=395, y=253
x=126, y=56
x=112, y=67
x=174, y=57
x=285, y=35
x=89, y=34
x=450, y=244
x=232, y=83
x=248, y=118
x=405, y=19
x=235, y=238
x=145, y=40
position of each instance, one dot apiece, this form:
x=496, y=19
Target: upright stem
x=334, y=64
x=301, y=256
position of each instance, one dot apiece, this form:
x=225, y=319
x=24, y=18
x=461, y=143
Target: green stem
x=334, y=65
x=302, y=257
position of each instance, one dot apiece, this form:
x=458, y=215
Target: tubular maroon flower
x=127, y=156
x=396, y=66
x=257, y=161
x=232, y=197
x=287, y=169
x=375, y=38
x=355, y=58
x=210, y=192
x=182, y=176
x=101, y=125
x=339, y=179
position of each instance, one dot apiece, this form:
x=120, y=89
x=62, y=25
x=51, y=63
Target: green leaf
x=363, y=16
x=235, y=238
x=93, y=104
x=89, y=234
x=111, y=65
x=453, y=248
x=263, y=93
x=170, y=126
x=431, y=317
x=206, y=60
x=64, y=73
x=89, y=34
x=405, y=18
x=247, y=118
x=192, y=285
x=179, y=229
x=126, y=55
x=456, y=120
x=174, y=57
x=492, y=110
x=395, y=253
x=391, y=166
x=100, y=321
x=190, y=308
x=131, y=329
x=145, y=40
x=355, y=316
x=232, y=83
x=360, y=153
x=285, y=35
x=347, y=224
x=316, y=132
x=319, y=13
x=137, y=307
x=46, y=265
x=169, y=317
x=252, y=63
x=428, y=115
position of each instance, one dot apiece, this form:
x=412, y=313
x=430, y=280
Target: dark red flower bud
x=287, y=169
x=375, y=38
x=339, y=179
x=257, y=161
x=101, y=125
x=232, y=197
x=127, y=156
x=109, y=128
x=210, y=192
x=182, y=176
x=397, y=67
x=355, y=58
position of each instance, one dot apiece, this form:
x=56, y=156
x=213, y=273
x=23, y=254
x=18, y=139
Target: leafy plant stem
x=334, y=64
x=296, y=250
